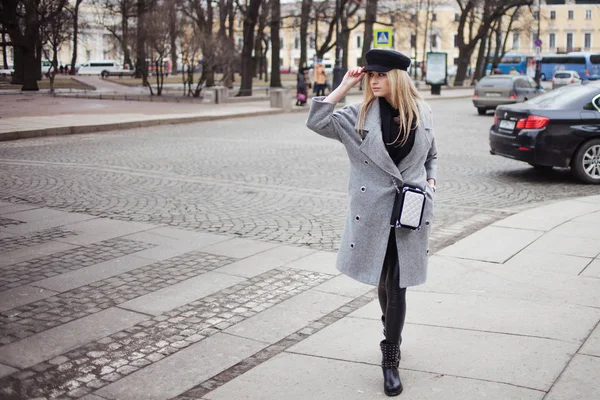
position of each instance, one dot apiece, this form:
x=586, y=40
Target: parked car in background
x=558, y=129
x=103, y=68
x=7, y=71
x=495, y=90
x=564, y=78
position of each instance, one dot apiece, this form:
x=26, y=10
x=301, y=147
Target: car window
x=522, y=83
x=562, y=75
x=564, y=96
x=496, y=82
x=577, y=75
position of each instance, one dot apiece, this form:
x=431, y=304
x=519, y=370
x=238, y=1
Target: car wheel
x=543, y=77
x=481, y=110
x=104, y=74
x=586, y=162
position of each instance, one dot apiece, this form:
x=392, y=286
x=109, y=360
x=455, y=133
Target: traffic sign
x=383, y=38
x=538, y=42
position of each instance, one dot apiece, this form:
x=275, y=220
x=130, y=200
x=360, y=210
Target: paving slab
x=502, y=315
x=53, y=342
x=539, y=261
x=99, y=229
x=320, y=261
x=591, y=347
x=555, y=243
x=300, y=377
x=170, y=250
x=592, y=270
x=265, y=261
x=181, y=293
x=83, y=276
x=239, y=248
x=578, y=381
x=35, y=251
x=286, y=318
x=592, y=218
x=92, y=396
x=182, y=234
x=502, y=358
x=547, y=217
x=8, y=208
x=344, y=286
x=493, y=244
x=578, y=229
x=22, y=295
x=5, y=370
x=183, y=370
x=42, y=218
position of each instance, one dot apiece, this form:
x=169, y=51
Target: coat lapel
x=373, y=146
x=420, y=146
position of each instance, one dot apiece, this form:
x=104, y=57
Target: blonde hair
x=403, y=96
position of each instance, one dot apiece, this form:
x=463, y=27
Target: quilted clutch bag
x=408, y=207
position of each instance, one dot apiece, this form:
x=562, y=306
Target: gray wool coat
x=372, y=191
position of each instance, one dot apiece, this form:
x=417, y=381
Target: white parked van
x=104, y=68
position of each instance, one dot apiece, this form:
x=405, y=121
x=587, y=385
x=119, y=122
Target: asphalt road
x=266, y=178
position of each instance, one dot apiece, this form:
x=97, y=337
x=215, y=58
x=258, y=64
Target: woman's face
x=380, y=85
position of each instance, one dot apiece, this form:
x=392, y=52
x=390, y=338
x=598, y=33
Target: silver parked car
x=495, y=90
x=564, y=78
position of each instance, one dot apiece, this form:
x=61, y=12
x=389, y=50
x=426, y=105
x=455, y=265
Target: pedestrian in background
x=390, y=143
x=320, y=78
x=301, y=92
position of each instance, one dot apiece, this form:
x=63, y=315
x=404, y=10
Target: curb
x=81, y=129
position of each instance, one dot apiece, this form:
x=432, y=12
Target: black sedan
x=556, y=129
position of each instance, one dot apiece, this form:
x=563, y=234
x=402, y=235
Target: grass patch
x=59, y=83
x=287, y=80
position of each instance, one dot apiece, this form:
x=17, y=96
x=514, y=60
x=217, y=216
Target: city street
x=197, y=261
x=267, y=178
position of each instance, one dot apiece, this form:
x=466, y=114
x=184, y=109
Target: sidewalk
x=34, y=115
x=98, y=309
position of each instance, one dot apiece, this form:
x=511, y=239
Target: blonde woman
x=390, y=142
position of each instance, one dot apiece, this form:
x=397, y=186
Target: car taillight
x=587, y=72
x=513, y=95
x=572, y=80
x=532, y=122
x=495, y=120
x=475, y=95
x=553, y=80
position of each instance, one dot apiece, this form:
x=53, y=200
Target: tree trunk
x=19, y=76
x=370, y=18
x=425, y=38
x=31, y=68
x=4, y=56
x=275, y=43
x=141, y=69
x=304, y=19
x=480, y=58
x=250, y=20
x=173, y=33
x=75, y=36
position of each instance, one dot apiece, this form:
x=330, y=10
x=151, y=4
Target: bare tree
x=54, y=32
x=250, y=13
x=275, y=43
x=305, y=11
x=75, y=24
x=117, y=16
x=484, y=12
x=158, y=40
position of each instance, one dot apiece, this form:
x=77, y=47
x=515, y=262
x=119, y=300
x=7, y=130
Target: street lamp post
x=338, y=72
x=538, y=48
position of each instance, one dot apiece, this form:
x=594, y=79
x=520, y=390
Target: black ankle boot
x=392, y=386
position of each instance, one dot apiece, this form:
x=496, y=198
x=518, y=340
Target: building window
x=571, y=14
x=552, y=15
x=587, y=41
x=536, y=15
x=588, y=14
x=516, y=15
x=515, y=40
x=413, y=18
x=455, y=40
x=552, y=41
x=413, y=41
x=569, y=42
x=456, y=17
x=433, y=41
x=433, y=17
x=359, y=42
x=296, y=43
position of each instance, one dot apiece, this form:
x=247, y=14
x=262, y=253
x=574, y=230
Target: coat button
x=363, y=189
x=357, y=217
x=367, y=162
x=426, y=222
x=351, y=245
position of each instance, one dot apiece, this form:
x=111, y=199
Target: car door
x=590, y=115
x=521, y=88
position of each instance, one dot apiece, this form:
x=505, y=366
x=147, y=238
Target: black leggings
x=392, y=298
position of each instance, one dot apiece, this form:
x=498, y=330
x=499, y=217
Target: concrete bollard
x=280, y=98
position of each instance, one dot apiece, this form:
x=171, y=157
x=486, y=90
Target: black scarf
x=390, y=130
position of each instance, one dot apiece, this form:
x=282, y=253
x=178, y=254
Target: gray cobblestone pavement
x=15, y=275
